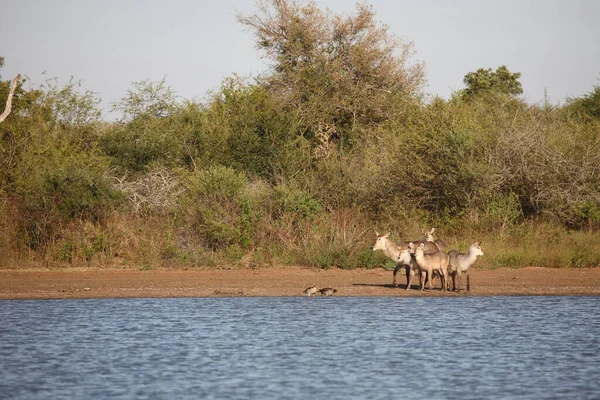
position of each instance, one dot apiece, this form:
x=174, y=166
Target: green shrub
x=139, y=144
x=65, y=251
x=501, y=211
x=58, y=184
x=220, y=207
x=291, y=199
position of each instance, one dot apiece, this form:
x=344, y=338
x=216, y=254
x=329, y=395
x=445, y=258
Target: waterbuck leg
x=395, y=272
x=430, y=273
x=410, y=276
x=468, y=283
x=443, y=279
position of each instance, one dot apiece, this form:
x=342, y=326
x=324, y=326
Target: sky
x=195, y=44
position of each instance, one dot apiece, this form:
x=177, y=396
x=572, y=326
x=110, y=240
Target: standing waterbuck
x=392, y=250
x=428, y=263
x=429, y=238
x=461, y=262
x=408, y=259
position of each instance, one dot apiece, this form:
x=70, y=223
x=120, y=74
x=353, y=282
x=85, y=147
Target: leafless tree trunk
x=9, y=100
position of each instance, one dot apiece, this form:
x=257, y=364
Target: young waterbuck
x=407, y=259
x=428, y=263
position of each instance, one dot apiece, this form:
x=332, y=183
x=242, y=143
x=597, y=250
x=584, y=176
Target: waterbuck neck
x=471, y=255
x=419, y=255
x=391, y=250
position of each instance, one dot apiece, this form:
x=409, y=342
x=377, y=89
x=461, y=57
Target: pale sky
x=195, y=44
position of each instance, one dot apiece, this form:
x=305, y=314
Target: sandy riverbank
x=278, y=281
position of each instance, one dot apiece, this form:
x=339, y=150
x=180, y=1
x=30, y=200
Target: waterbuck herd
x=427, y=258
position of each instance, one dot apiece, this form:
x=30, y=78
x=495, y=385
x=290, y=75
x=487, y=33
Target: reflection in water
x=375, y=348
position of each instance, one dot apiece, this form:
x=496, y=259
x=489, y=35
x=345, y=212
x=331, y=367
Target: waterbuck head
x=404, y=256
x=476, y=247
x=419, y=250
x=429, y=235
x=411, y=248
x=380, y=242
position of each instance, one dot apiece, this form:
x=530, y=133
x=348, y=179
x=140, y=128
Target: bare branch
x=9, y=100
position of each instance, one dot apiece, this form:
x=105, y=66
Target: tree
x=147, y=100
x=339, y=71
x=485, y=82
x=145, y=134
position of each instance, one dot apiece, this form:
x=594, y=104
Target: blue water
x=293, y=348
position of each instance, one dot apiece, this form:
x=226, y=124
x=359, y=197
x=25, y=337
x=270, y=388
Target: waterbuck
x=406, y=258
x=461, y=262
x=428, y=263
x=392, y=250
x=429, y=238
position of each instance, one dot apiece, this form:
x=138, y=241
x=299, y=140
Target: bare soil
x=279, y=281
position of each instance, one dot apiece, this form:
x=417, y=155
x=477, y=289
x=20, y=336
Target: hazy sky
x=108, y=44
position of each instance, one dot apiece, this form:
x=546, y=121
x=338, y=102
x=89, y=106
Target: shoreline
x=80, y=283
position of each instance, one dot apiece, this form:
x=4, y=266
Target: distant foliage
x=587, y=106
x=219, y=208
x=147, y=100
x=295, y=201
x=69, y=106
x=56, y=184
x=488, y=82
x=145, y=135
x=253, y=130
x=138, y=145
x=348, y=71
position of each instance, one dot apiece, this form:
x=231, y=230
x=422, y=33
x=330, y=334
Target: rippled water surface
x=278, y=348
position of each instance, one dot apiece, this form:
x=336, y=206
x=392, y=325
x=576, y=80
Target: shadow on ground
x=387, y=285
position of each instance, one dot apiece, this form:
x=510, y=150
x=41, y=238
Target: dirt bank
x=278, y=281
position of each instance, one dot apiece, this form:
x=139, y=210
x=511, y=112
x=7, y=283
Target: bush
x=220, y=207
x=295, y=201
x=139, y=144
x=58, y=184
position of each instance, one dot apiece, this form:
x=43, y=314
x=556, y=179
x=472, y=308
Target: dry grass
x=338, y=239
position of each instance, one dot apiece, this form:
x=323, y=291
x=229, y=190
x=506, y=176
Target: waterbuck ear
x=377, y=233
x=411, y=245
x=387, y=234
x=422, y=246
x=432, y=230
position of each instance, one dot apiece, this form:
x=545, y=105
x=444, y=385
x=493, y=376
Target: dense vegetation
x=300, y=166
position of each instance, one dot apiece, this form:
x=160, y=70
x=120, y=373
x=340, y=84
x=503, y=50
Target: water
x=292, y=348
